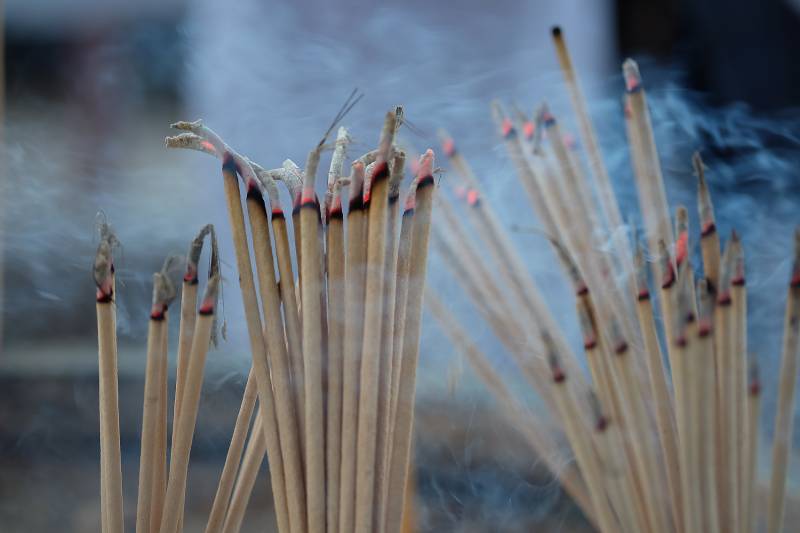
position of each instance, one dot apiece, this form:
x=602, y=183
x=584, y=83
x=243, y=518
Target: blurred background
x=90, y=88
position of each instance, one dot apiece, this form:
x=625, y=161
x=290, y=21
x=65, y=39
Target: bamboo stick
x=176, y=485
x=355, y=259
x=709, y=237
x=275, y=342
x=160, y=441
x=335, y=257
x=110, y=456
x=784, y=415
x=245, y=481
x=750, y=481
x=410, y=347
x=222, y=498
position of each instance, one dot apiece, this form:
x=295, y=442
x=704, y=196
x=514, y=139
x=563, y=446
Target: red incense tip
x=191, y=274
x=425, y=172
x=473, y=198
x=589, y=342
x=207, y=307
x=507, y=128
x=208, y=146
x=633, y=80
x=601, y=424
x=157, y=311
x=643, y=295
x=105, y=293
x=529, y=129
x=460, y=192
x=681, y=247
x=708, y=228
x=449, y=147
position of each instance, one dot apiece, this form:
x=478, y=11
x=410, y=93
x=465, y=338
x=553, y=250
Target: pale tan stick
x=665, y=420
x=275, y=342
x=335, y=265
x=160, y=441
x=509, y=260
x=781, y=441
x=148, y=458
x=376, y=199
x=355, y=260
x=187, y=322
x=739, y=361
x=182, y=442
x=750, y=481
x=654, y=204
x=246, y=480
x=726, y=397
x=705, y=368
x=222, y=497
x=608, y=200
x=545, y=447
x=312, y=296
x=250, y=301
x=407, y=379
x=580, y=441
x=382, y=448
x=709, y=237
x=612, y=465
x=110, y=455
x=336, y=318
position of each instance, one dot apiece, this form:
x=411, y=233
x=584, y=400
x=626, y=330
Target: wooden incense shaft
x=486, y=221
x=654, y=204
x=111, y=459
x=222, y=497
x=580, y=440
x=275, y=342
x=185, y=334
x=665, y=421
x=706, y=386
x=246, y=480
x=382, y=449
x=312, y=317
x=608, y=200
x=401, y=295
x=355, y=260
x=182, y=442
x=290, y=314
x=147, y=459
x=376, y=200
x=638, y=422
x=750, y=481
x=739, y=356
x=263, y=379
x=413, y=323
x=160, y=441
x=545, y=447
x=709, y=237
x=336, y=316
x=781, y=442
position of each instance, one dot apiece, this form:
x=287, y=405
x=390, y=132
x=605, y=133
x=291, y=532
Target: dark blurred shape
x=733, y=50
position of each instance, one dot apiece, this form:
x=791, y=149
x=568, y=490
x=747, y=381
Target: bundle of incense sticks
x=659, y=444
x=334, y=344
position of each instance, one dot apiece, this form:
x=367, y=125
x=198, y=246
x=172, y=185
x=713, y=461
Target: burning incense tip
x=633, y=79
x=449, y=147
x=796, y=266
x=473, y=198
x=103, y=268
x=755, y=379
x=556, y=32
x=425, y=171
x=209, y=301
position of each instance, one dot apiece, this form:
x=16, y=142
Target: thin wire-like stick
x=784, y=415
x=110, y=455
x=246, y=480
x=182, y=442
x=222, y=497
x=407, y=379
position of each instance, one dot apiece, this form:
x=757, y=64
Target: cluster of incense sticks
x=660, y=444
x=334, y=342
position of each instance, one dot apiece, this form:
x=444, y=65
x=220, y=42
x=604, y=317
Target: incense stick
x=406, y=390
x=248, y=472
x=786, y=392
x=750, y=481
x=110, y=456
x=182, y=442
x=222, y=497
